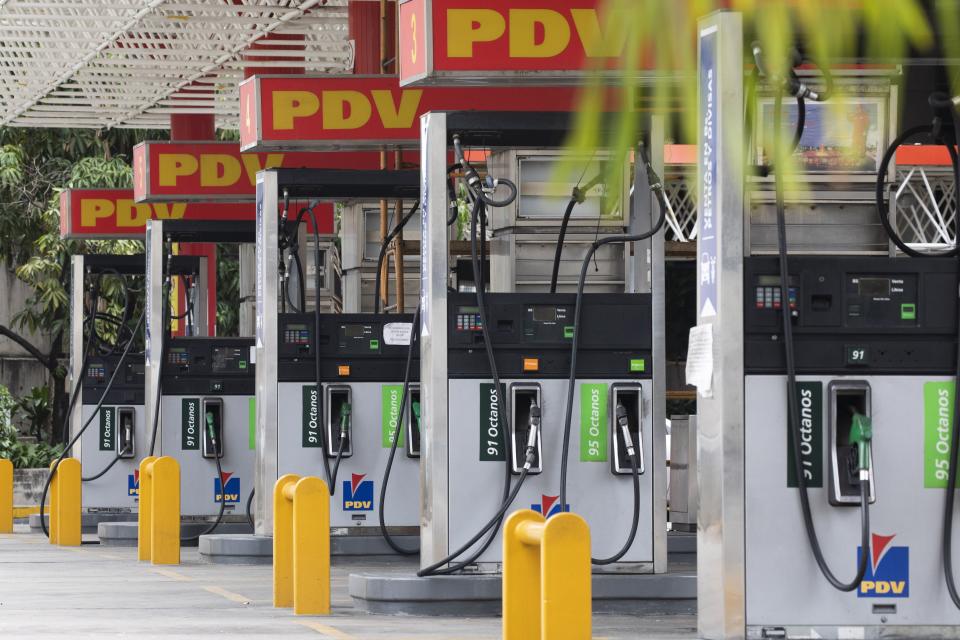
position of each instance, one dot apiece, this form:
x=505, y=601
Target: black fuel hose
x=492, y=525
x=89, y=421
x=577, y=196
x=318, y=377
x=657, y=187
x=931, y=132
x=793, y=407
x=378, y=279
x=223, y=505
x=107, y=468
x=635, y=519
x=249, y=509
x=414, y=344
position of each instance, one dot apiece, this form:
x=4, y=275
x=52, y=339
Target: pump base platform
x=241, y=548
x=402, y=592
x=253, y=549
x=89, y=522
x=398, y=590
x=124, y=534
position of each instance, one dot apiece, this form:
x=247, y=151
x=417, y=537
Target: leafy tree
x=34, y=165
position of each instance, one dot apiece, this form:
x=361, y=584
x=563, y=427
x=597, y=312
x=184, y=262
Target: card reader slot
x=338, y=419
x=523, y=395
x=413, y=422
x=630, y=396
x=846, y=399
x=211, y=431
x=126, y=427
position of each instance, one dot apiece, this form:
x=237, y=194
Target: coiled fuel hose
x=656, y=186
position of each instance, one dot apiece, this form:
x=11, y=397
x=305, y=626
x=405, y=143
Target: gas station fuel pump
x=826, y=367
x=331, y=385
x=501, y=373
x=108, y=448
x=200, y=389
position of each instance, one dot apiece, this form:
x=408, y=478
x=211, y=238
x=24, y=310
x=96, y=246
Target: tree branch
x=41, y=357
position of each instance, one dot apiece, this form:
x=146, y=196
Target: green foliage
x=37, y=409
x=228, y=290
x=830, y=33
x=23, y=455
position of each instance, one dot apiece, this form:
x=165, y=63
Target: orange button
x=343, y=370
x=531, y=364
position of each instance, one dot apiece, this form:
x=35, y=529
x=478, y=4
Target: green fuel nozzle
x=211, y=429
x=345, y=410
x=861, y=433
x=415, y=407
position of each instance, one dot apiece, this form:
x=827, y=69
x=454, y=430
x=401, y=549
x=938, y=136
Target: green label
x=190, y=424
x=252, y=422
x=492, y=439
x=937, y=430
x=108, y=431
x=390, y=396
x=593, y=423
x=311, y=417
x=810, y=399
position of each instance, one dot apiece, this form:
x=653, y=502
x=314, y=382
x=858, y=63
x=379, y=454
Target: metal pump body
x=205, y=382
x=472, y=431
x=362, y=362
x=874, y=337
x=122, y=412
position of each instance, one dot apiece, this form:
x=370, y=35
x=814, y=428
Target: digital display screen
x=296, y=327
x=544, y=314
x=353, y=330
x=467, y=310
x=874, y=287
x=768, y=281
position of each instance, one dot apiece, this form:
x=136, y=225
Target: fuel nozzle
x=211, y=428
x=534, y=431
x=345, y=411
x=623, y=421
x=415, y=407
x=861, y=433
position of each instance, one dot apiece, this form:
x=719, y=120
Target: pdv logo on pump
x=358, y=493
x=227, y=487
x=133, y=483
x=549, y=505
x=888, y=571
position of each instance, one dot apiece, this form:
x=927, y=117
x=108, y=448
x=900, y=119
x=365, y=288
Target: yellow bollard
x=301, y=544
x=71, y=503
x=54, y=500
x=143, y=512
x=283, y=543
x=546, y=577
x=6, y=496
x=165, y=508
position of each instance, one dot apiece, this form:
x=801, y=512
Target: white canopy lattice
x=133, y=63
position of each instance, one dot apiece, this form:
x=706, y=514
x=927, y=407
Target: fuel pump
x=105, y=375
x=496, y=367
x=819, y=357
x=332, y=387
x=200, y=388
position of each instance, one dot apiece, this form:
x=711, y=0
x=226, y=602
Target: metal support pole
x=434, y=487
x=721, y=590
x=267, y=258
